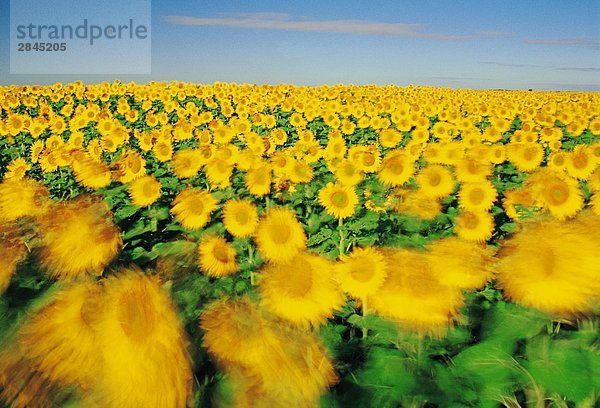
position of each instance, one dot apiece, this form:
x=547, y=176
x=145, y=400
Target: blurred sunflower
x=240, y=218
x=144, y=191
x=142, y=344
x=471, y=170
x=517, y=201
x=459, y=263
x=477, y=196
x=192, y=208
x=411, y=294
x=217, y=257
x=258, y=179
x=389, y=138
x=12, y=251
x=525, y=156
x=580, y=163
x=338, y=200
x=474, y=225
x=397, y=168
x=218, y=173
x=348, y=173
x=556, y=192
x=302, y=291
x=66, y=233
x=24, y=197
x=279, y=236
x=435, y=181
x=91, y=173
x=560, y=274
x=16, y=169
x=362, y=272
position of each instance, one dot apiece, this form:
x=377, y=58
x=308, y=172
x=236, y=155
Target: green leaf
x=386, y=377
x=319, y=237
x=506, y=323
x=561, y=367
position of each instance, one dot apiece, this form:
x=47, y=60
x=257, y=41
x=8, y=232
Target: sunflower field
x=174, y=245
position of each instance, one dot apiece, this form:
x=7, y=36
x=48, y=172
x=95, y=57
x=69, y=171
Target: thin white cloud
x=586, y=42
x=553, y=67
x=281, y=21
x=495, y=33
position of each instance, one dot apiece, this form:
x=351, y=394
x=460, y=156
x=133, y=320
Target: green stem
x=341, y=230
x=251, y=262
x=365, y=331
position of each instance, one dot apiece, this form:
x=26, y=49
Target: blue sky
x=549, y=45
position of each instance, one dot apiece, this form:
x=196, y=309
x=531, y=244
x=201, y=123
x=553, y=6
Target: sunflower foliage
x=239, y=245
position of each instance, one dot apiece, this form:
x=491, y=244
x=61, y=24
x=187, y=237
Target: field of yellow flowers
x=173, y=245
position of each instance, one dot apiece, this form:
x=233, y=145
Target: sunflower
x=459, y=263
x=580, y=163
x=412, y=294
x=192, y=208
x=435, y=181
x=91, y=173
x=130, y=166
x=144, y=191
x=60, y=339
x=397, y=168
x=12, y=251
x=389, y=138
x=142, y=343
x=240, y=218
x=525, y=156
x=22, y=198
x=415, y=204
x=471, y=170
x=556, y=192
x=163, y=151
x=362, y=272
x=302, y=291
x=367, y=158
x=66, y=234
x=517, y=202
x=557, y=161
x=258, y=179
x=238, y=332
x=300, y=171
x=338, y=200
x=218, y=173
x=279, y=236
x=16, y=169
x=217, y=257
x=477, y=196
x=559, y=276
x=474, y=225
x=348, y=173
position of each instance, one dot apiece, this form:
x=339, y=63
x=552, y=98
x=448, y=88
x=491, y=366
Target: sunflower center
x=476, y=196
x=362, y=270
x=368, y=159
x=558, y=160
x=529, y=153
x=435, y=179
x=221, y=253
x=580, y=161
x=242, y=217
x=300, y=281
x=280, y=234
x=149, y=189
x=557, y=193
x=396, y=166
x=136, y=315
x=470, y=220
x=339, y=199
x=548, y=261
